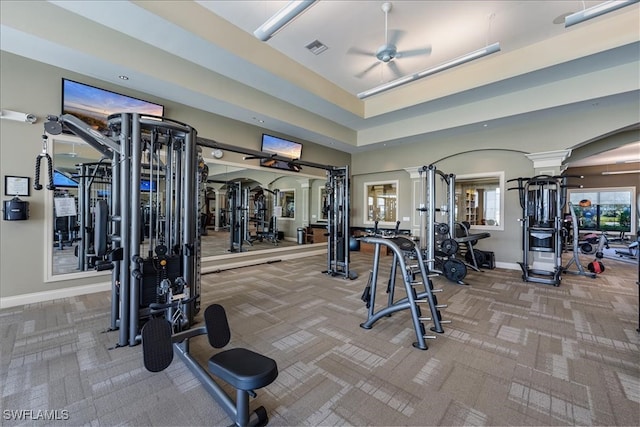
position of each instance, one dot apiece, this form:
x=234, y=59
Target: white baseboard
x=247, y=263
x=36, y=297
x=508, y=265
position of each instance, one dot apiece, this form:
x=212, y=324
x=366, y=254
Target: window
x=480, y=200
x=604, y=209
x=381, y=201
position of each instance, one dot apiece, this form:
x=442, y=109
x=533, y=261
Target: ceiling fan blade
x=367, y=70
x=358, y=51
x=395, y=36
x=414, y=52
x=393, y=66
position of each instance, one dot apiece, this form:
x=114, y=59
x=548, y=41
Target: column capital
x=548, y=158
x=413, y=171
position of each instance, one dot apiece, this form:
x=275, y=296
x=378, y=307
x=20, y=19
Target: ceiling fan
x=388, y=52
x=71, y=153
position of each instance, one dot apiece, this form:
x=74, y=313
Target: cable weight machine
x=164, y=281
x=264, y=218
x=542, y=199
x=338, y=213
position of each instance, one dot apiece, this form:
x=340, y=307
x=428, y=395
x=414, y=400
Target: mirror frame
x=322, y=193
x=282, y=194
x=48, y=222
x=500, y=176
x=365, y=203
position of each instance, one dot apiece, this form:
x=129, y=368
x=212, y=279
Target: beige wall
x=492, y=149
x=32, y=87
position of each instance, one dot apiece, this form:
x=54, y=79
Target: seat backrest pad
x=217, y=326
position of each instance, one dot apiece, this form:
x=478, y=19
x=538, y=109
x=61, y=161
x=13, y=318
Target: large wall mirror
x=61, y=213
x=381, y=202
x=480, y=200
x=62, y=230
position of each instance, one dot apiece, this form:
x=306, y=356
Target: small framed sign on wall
x=16, y=185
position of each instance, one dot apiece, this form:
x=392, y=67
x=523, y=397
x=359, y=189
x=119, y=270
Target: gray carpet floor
x=515, y=353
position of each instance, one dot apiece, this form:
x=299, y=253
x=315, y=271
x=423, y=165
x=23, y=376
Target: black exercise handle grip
x=36, y=181
x=397, y=227
x=51, y=185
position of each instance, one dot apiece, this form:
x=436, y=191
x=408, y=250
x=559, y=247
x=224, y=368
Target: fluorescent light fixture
x=620, y=172
x=438, y=68
x=282, y=18
x=592, y=12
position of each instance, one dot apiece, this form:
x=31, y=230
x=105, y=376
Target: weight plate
x=449, y=246
x=442, y=228
x=480, y=257
x=454, y=270
x=586, y=248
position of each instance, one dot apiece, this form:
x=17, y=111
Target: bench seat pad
x=243, y=368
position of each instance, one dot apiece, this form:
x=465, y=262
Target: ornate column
x=302, y=204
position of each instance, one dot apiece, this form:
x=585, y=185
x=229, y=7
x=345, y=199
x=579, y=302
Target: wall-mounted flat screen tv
x=93, y=105
x=281, y=147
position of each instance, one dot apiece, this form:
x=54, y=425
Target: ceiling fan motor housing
x=386, y=53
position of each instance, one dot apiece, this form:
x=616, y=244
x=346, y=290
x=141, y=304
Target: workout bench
x=464, y=236
x=241, y=368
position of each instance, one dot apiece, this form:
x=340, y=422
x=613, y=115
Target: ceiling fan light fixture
x=282, y=18
x=592, y=12
x=487, y=50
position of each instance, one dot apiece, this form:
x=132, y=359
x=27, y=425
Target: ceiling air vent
x=316, y=47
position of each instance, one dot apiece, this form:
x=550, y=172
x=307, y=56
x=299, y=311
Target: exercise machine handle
x=44, y=155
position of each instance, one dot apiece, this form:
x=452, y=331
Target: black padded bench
x=243, y=369
x=464, y=236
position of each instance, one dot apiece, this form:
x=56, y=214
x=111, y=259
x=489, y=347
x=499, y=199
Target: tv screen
x=93, y=105
x=61, y=180
x=281, y=147
x=146, y=185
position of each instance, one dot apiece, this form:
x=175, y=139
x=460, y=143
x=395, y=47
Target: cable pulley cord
x=168, y=146
x=152, y=213
x=157, y=192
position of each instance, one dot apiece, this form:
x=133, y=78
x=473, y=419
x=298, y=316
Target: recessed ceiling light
x=123, y=77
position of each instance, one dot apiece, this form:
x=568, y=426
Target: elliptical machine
x=575, y=259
